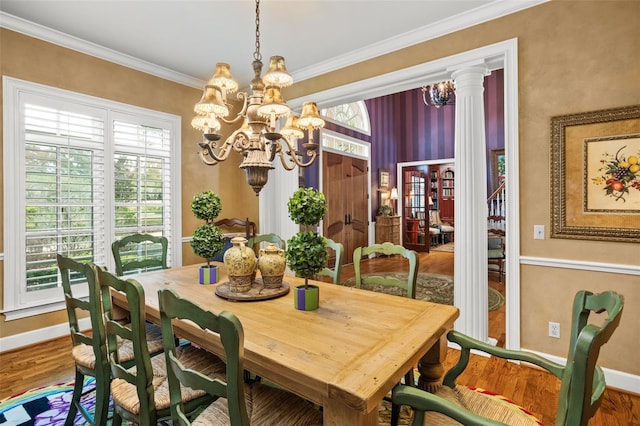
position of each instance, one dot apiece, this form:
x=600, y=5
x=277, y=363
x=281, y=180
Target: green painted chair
x=267, y=405
x=582, y=381
x=140, y=393
x=254, y=242
x=140, y=252
x=388, y=249
x=89, y=351
x=409, y=286
x=334, y=272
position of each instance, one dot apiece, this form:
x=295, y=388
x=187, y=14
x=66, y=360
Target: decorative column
x=470, y=261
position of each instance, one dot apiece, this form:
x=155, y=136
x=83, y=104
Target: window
x=353, y=115
x=79, y=173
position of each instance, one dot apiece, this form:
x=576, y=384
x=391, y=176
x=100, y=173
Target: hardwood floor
x=49, y=363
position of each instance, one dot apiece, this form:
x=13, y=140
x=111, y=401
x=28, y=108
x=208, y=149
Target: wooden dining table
x=345, y=356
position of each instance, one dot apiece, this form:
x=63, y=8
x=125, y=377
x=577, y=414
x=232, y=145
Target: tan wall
x=573, y=56
x=33, y=60
x=569, y=53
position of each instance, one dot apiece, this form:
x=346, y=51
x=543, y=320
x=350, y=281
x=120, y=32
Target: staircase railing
x=497, y=207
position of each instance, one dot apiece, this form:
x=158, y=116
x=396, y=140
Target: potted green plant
x=207, y=239
x=306, y=252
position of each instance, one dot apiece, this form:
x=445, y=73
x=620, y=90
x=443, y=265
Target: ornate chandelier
x=257, y=139
x=439, y=94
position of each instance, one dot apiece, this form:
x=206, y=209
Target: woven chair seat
x=83, y=354
x=266, y=406
x=125, y=395
x=483, y=403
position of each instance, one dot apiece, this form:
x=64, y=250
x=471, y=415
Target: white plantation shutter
x=79, y=173
x=142, y=180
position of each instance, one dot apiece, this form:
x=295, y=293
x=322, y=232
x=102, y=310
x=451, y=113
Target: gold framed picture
x=595, y=175
x=383, y=178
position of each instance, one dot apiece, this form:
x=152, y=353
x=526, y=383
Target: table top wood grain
x=344, y=356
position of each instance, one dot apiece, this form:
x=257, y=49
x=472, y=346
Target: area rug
x=430, y=287
x=46, y=405
x=447, y=248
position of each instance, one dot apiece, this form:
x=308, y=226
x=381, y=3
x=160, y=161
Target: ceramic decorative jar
x=272, y=265
x=240, y=261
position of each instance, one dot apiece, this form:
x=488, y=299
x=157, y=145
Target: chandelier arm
x=271, y=148
x=287, y=165
x=223, y=152
x=242, y=96
x=295, y=155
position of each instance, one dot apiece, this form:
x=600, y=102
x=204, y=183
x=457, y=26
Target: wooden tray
x=257, y=292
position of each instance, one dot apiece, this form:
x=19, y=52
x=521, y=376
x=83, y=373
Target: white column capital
x=469, y=68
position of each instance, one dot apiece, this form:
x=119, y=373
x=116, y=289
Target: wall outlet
x=538, y=232
x=554, y=329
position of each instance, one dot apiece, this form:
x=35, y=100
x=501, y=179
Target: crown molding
x=493, y=10
x=47, y=34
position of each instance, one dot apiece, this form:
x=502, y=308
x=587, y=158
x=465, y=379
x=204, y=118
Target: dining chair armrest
x=469, y=343
x=422, y=401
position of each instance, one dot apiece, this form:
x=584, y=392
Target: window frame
x=17, y=303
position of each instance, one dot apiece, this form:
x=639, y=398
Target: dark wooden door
x=416, y=190
x=345, y=188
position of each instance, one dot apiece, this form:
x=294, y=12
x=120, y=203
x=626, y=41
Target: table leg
x=431, y=366
x=336, y=413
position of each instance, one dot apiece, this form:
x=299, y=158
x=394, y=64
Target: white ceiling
x=183, y=39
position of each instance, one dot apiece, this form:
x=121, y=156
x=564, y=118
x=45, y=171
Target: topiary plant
x=207, y=239
x=306, y=252
x=307, y=206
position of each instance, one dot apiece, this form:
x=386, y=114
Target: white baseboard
x=615, y=379
x=40, y=335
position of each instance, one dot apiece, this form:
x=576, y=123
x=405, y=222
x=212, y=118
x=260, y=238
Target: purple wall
x=404, y=129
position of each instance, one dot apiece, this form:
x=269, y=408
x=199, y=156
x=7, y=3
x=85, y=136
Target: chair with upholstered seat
x=446, y=230
x=140, y=393
x=409, y=285
x=139, y=253
x=231, y=227
x=338, y=250
x=236, y=403
x=496, y=254
x=255, y=242
x=582, y=381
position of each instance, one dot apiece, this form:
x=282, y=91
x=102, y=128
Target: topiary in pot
x=306, y=252
x=207, y=239
x=307, y=207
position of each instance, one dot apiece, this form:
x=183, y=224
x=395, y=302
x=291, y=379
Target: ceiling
x=183, y=39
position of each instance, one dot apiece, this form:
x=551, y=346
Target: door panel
x=346, y=190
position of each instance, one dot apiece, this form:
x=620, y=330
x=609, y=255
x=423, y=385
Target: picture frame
x=595, y=175
x=497, y=168
x=383, y=178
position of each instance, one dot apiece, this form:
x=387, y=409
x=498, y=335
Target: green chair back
x=334, y=272
x=135, y=333
x=225, y=324
x=140, y=252
x=388, y=249
x=582, y=380
x=84, y=345
x=254, y=242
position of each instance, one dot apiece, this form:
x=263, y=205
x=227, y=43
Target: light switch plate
x=538, y=232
